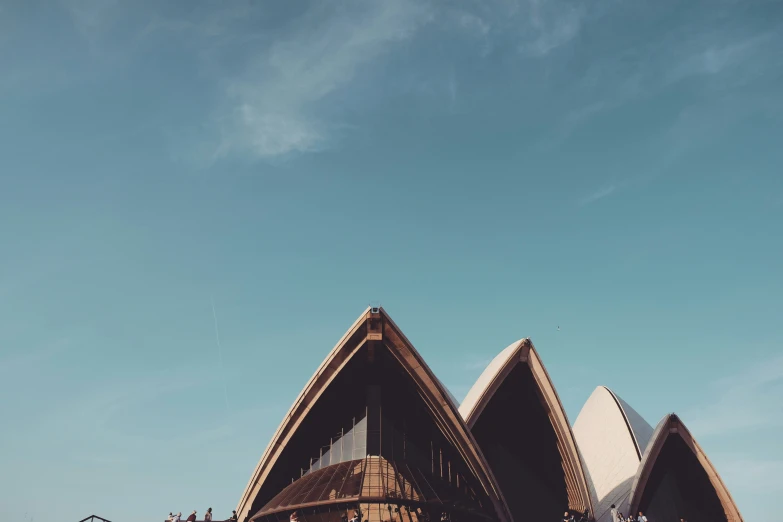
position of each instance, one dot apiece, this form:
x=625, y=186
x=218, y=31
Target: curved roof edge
x=523, y=351
x=640, y=429
x=606, y=434
x=611, y=437
x=442, y=404
x=672, y=425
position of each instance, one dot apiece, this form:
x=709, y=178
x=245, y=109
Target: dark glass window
x=371, y=440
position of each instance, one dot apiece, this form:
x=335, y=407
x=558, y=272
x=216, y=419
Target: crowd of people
x=617, y=516
x=576, y=517
x=177, y=517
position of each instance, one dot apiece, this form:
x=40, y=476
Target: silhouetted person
x=566, y=518
x=233, y=517
x=208, y=515
x=192, y=517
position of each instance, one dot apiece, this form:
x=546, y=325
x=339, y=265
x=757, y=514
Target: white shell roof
x=484, y=381
x=612, y=438
x=494, y=375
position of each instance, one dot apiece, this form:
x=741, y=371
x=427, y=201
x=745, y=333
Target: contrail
x=220, y=352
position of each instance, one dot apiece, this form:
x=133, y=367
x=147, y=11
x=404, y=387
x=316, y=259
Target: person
x=566, y=518
x=171, y=517
x=641, y=517
x=233, y=517
x=355, y=517
x=208, y=515
x=614, y=514
x=192, y=517
x=294, y=517
x=177, y=517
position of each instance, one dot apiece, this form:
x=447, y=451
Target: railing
x=184, y=519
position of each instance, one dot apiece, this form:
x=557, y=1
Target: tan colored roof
x=672, y=426
x=374, y=325
x=523, y=352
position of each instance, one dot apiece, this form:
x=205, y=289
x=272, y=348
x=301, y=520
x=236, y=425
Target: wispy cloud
x=534, y=27
x=750, y=474
x=553, y=25
x=286, y=87
x=477, y=364
x=596, y=195
x=472, y=22
x=715, y=59
x=90, y=15
x=28, y=362
x=271, y=109
x=748, y=401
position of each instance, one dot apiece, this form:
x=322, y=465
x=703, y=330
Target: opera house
x=375, y=436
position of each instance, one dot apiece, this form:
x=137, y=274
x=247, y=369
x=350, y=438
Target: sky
x=198, y=198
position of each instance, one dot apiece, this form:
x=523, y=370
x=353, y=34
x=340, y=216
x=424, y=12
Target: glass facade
x=345, y=446
x=372, y=446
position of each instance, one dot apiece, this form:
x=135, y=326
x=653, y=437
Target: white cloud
x=478, y=364
x=92, y=17
x=750, y=474
x=598, y=194
x=748, y=401
x=27, y=362
x=272, y=107
x=474, y=23
x=710, y=55
x=554, y=24
x=721, y=58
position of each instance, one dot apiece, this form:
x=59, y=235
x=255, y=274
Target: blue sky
x=485, y=170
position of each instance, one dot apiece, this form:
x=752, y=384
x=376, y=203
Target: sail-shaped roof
x=519, y=422
x=373, y=359
x=676, y=480
x=611, y=437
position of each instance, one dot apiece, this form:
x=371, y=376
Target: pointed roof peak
x=612, y=438
x=672, y=425
x=373, y=330
x=502, y=369
x=638, y=428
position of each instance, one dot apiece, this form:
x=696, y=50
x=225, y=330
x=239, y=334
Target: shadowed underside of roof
x=374, y=361
x=518, y=421
x=676, y=480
